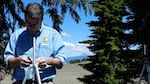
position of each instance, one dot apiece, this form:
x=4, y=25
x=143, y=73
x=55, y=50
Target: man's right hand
x=23, y=61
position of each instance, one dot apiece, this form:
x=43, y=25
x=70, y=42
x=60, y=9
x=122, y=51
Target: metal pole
x=34, y=66
x=145, y=65
x=34, y=46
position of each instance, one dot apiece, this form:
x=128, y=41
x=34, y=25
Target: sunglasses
x=37, y=25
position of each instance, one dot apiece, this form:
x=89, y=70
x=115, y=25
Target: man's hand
x=24, y=61
x=43, y=61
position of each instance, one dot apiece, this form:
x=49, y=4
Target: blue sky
x=77, y=31
x=72, y=32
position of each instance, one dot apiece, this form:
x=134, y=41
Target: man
x=49, y=48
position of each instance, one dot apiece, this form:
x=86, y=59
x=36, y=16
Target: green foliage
x=114, y=62
x=106, y=65
x=56, y=9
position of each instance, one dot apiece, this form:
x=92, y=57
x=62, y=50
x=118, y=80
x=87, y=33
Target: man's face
x=33, y=25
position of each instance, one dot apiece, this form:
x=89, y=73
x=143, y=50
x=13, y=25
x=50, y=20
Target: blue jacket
x=49, y=43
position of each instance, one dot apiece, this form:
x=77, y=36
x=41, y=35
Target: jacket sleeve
x=59, y=48
x=10, y=49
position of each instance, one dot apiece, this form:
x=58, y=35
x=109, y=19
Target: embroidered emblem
x=45, y=39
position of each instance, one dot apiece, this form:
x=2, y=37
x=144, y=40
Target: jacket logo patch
x=45, y=39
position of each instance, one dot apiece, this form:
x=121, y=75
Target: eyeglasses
x=37, y=25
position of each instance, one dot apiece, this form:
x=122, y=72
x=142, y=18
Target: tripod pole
x=34, y=47
x=141, y=74
x=27, y=74
x=145, y=65
x=37, y=74
x=35, y=65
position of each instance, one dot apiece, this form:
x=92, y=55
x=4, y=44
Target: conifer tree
x=105, y=42
x=114, y=61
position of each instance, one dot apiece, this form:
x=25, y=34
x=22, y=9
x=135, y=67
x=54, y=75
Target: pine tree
x=114, y=61
x=106, y=33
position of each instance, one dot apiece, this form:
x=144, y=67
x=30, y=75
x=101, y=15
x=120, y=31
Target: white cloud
x=65, y=35
x=74, y=50
x=77, y=49
x=68, y=44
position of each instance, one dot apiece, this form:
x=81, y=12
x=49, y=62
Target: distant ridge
x=73, y=58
